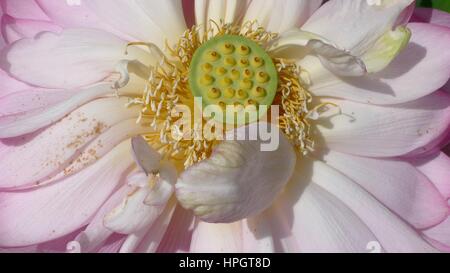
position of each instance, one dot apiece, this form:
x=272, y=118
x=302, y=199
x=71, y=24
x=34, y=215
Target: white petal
x=237, y=181
x=228, y=11
x=279, y=16
x=257, y=235
x=248, y=235
x=150, y=242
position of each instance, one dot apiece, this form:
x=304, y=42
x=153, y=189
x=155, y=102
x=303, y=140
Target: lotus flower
x=86, y=92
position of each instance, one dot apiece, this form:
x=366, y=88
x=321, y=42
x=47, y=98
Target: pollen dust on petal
x=79, y=141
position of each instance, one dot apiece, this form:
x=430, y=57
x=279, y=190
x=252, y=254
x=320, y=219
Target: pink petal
x=391, y=232
x=440, y=233
x=24, y=9
x=53, y=150
x=9, y=85
x=189, y=12
x=31, y=99
x=57, y=245
x=96, y=233
x=437, y=168
x=113, y=244
x=432, y=16
x=396, y=184
x=381, y=131
x=179, y=232
x=101, y=146
x=75, y=16
x=31, y=217
x=26, y=249
x=447, y=150
x=16, y=29
x=2, y=39
x=405, y=17
x=28, y=111
x=422, y=68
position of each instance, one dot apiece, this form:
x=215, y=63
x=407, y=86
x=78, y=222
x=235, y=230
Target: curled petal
x=406, y=78
x=386, y=49
x=237, y=181
x=143, y=205
x=146, y=158
x=73, y=58
x=338, y=61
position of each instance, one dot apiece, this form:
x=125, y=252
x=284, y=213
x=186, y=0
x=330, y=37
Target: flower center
x=231, y=70
x=226, y=65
